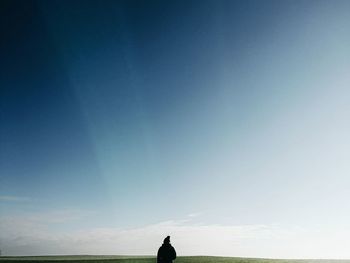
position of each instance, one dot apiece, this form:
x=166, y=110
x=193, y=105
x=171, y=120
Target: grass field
x=149, y=259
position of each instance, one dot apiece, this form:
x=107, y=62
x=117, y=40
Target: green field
x=149, y=259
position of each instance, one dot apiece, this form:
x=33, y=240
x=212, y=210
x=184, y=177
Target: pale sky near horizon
x=224, y=124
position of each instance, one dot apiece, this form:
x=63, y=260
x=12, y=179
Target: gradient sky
x=222, y=123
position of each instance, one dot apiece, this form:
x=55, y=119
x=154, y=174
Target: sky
x=224, y=124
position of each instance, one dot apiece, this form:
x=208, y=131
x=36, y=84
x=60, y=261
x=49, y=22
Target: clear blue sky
x=131, y=115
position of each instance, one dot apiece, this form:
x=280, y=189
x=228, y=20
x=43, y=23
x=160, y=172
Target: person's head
x=167, y=240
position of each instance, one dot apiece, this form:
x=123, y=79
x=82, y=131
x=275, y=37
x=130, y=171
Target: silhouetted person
x=166, y=253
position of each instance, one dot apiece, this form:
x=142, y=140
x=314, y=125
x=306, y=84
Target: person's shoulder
x=171, y=247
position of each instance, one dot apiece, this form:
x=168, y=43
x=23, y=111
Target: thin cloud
x=196, y=214
x=10, y=198
x=29, y=236
x=59, y=216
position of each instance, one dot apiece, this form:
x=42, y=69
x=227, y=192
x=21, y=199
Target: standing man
x=166, y=253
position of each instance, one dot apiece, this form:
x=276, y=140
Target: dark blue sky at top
x=132, y=56
x=40, y=121
x=135, y=96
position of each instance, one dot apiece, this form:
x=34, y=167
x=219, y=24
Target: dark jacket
x=166, y=254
